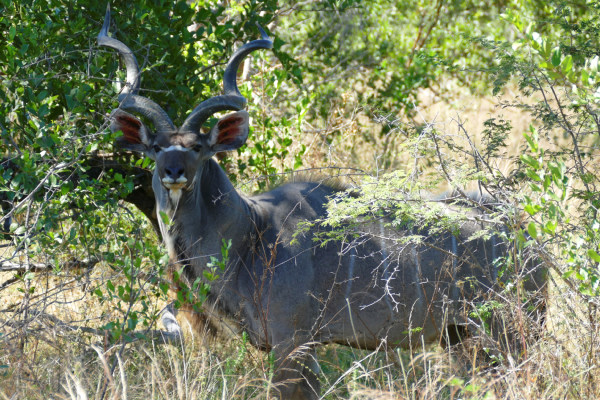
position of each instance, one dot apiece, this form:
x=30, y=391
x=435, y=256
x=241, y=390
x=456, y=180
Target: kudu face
x=179, y=156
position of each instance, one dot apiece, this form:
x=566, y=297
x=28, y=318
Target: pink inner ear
x=130, y=127
x=229, y=129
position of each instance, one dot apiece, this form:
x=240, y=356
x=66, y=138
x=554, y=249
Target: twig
x=173, y=335
x=7, y=266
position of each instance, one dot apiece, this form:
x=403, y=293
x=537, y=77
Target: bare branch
x=7, y=266
x=173, y=335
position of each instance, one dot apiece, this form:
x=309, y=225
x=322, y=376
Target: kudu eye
x=156, y=148
x=197, y=147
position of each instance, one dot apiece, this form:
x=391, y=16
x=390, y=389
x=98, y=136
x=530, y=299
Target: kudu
x=286, y=290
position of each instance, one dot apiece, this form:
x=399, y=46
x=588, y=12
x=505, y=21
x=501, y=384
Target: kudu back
x=286, y=290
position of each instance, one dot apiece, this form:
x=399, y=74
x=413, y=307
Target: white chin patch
x=175, y=195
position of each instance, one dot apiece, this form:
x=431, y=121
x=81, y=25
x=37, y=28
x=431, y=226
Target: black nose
x=174, y=172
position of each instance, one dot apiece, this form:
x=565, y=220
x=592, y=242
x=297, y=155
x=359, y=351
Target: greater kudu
x=285, y=290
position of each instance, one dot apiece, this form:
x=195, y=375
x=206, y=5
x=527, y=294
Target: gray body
x=287, y=290
x=292, y=294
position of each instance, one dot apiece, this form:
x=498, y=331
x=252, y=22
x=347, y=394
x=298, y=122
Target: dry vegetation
x=56, y=361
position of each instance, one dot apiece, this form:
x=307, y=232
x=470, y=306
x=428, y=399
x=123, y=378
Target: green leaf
x=535, y=188
x=532, y=209
x=546, y=49
x=532, y=162
x=555, y=57
x=550, y=227
x=566, y=64
x=585, y=77
x=532, y=140
x=533, y=175
x=532, y=230
x=165, y=218
x=593, y=255
x=554, y=75
x=164, y=287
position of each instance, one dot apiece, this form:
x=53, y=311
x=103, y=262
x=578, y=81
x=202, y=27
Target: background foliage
x=345, y=93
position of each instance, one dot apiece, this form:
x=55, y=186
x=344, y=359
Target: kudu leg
x=296, y=377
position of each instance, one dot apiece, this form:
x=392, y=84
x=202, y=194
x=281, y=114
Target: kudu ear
x=230, y=132
x=136, y=136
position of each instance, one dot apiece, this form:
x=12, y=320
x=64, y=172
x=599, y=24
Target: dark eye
x=197, y=147
x=156, y=148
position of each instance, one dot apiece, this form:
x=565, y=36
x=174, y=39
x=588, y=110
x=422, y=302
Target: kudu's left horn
x=232, y=100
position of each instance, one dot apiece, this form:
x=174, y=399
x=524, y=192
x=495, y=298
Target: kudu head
x=179, y=153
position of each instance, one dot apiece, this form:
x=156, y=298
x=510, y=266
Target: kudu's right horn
x=130, y=100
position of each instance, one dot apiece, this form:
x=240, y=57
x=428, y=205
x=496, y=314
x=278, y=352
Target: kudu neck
x=211, y=211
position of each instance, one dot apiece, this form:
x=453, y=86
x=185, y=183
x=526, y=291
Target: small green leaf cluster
x=550, y=218
x=197, y=293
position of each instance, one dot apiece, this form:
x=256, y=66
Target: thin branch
x=7, y=266
x=173, y=335
x=8, y=282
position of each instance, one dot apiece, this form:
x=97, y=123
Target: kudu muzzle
x=176, y=169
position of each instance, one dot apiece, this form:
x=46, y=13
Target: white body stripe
x=454, y=265
x=418, y=275
x=386, y=266
x=494, y=255
x=350, y=272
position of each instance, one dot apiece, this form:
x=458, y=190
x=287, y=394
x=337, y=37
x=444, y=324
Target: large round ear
x=136, y=136
x=230, y=132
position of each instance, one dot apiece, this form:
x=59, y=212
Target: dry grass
x=66, y=369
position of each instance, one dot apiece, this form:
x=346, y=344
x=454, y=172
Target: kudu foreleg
x=296, y=376
x=169, y=321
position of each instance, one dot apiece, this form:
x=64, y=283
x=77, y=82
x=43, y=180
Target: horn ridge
x=149, y=109
x=208, y=107
x=230, y=75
